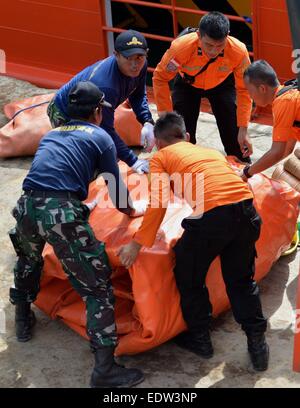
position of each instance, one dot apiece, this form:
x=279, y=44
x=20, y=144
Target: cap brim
x=133, y=51
x=106, y=104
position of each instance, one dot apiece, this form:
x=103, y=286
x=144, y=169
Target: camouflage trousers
x=63, y=223
x=56, y=117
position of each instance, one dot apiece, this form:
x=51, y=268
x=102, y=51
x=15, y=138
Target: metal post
x=293, y=7
x=109, y=23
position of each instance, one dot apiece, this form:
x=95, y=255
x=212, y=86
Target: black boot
x=198, y=343
x=25, y=320
x=107, y=373
x=258, y=350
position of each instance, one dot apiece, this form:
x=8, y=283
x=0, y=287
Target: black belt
x=51, y=194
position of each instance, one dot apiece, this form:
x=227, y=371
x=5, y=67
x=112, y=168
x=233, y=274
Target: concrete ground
x=58, y=357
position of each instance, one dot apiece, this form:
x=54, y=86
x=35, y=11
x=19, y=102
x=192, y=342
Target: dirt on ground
x=58, y=357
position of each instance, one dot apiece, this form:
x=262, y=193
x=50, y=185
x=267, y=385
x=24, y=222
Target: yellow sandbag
x=297, y=152
x=292, y=165
x=281, y=174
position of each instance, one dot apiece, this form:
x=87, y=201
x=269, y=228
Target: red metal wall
x=47, y=41
x=271, y=35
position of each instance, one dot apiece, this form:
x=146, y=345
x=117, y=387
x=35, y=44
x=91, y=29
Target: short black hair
x=170, y=126
x=215, y=25
x=260, y=72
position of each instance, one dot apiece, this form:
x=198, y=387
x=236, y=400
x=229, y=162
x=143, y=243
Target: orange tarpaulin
x=21, y=136
x=147, y=301
x=127, y=126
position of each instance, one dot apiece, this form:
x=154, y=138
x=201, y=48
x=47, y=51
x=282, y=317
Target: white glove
x=141, y=166
x=139, y=208
x=147, y=136
x=92, y=204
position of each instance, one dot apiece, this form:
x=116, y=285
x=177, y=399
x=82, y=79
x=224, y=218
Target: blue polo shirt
x=71, y=156
x=117, y=88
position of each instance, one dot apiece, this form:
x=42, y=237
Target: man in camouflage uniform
x=50, y=210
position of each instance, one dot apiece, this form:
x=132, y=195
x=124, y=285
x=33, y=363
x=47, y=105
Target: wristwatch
x=246, y=171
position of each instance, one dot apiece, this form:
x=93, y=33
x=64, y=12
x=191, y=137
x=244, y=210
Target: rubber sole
x=128, y=385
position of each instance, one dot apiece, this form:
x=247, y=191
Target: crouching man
x=51, y=210
x=227, y=227
x=264, y=88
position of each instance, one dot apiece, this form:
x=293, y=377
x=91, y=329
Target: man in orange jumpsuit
x=225, y=223
x=263, y=85
x=208, y=63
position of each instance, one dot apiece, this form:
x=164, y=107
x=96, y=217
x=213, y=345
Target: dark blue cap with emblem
x=131, y=42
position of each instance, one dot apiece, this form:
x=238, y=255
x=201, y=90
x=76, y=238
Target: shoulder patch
x=172, y=65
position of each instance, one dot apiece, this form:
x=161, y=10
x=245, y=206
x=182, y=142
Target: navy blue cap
x=131, y=42
x=86, y=93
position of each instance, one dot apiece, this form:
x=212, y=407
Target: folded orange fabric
x=147, y=301
x=21, y=136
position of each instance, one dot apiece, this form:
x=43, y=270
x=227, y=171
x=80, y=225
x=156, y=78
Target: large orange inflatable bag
x=22, y=134
x=127, y=126
x=147, y=301
x=29, y=122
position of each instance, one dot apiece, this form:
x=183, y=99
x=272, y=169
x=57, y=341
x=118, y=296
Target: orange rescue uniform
x=286, y=110
x=221, y=185
x=185, y=56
